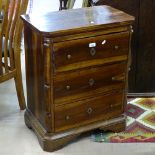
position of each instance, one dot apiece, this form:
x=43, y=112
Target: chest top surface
x=76, y=20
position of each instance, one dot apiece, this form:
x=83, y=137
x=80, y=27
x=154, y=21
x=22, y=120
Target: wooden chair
x=10, y=45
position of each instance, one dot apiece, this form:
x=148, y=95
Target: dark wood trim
x=141, y=94
x=54, y=141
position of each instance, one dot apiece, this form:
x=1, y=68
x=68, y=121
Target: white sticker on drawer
x=92, y=44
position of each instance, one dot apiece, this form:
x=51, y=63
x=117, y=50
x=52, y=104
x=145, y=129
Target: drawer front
x=87, y=111
x=88, y=82
x=90, y=51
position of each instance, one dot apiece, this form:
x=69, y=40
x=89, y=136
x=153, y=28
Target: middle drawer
x=88, y=82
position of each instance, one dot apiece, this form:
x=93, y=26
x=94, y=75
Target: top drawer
x=91, y=51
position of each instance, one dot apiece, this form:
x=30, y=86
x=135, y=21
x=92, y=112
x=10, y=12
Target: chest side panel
x=37, y=62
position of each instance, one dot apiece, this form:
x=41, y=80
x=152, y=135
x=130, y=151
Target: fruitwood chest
x=76, y=72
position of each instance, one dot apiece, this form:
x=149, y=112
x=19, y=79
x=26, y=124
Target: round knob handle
x=113, y=78
x=69, y=56
x=91, y=82
x=89, y=110
x=92, y=51
x=116, y=47
x=111, y=106
x=68, y=87
x=67, y=118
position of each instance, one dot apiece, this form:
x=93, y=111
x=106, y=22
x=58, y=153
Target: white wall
x=43, y=6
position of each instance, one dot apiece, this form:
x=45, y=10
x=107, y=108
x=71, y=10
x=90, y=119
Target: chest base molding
x=54, y=141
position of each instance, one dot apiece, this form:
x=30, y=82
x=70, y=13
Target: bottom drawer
x=82, y=112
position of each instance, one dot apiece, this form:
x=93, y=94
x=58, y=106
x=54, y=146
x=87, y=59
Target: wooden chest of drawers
x=76, y=72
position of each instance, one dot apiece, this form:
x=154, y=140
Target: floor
x=17, y=139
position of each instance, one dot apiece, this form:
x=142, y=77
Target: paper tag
x=92, y=44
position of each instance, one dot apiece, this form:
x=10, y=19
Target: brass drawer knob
x=91, y=82
x=116, y=47
x=92, y=51
x=111, y=106
x=69, y=56
x=89, y=111
x=113, y=78
x=68, y=87
x=67, y=118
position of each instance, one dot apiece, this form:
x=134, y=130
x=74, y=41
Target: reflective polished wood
x=89, y=19
x=76, y=72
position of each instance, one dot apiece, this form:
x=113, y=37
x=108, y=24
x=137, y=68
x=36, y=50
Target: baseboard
x=141, y=94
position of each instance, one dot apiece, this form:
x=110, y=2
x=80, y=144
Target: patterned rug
x=140, y=124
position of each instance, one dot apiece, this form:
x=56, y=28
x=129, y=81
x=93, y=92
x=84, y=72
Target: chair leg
x=20, y=90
